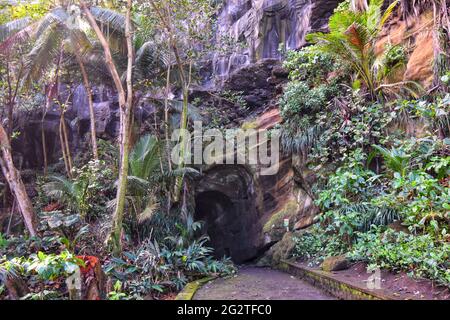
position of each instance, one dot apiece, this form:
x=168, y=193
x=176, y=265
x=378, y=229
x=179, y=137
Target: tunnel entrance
x=225, y=200
x=219, y=215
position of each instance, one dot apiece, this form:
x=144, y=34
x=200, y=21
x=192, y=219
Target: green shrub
x=163, y=265
x=421, y=256
x=309, y=66
x=317, y=245
x=86, y=194
x=41, y=266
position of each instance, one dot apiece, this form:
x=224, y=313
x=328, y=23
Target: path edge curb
x=191, y=288
x=324, y=280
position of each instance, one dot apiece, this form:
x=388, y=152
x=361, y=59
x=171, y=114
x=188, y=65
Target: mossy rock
x=335, y=263
x=281, y=250
x=249, y=125
x=275, y=227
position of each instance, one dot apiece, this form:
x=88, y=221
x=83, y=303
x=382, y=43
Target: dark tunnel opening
x=229, y=228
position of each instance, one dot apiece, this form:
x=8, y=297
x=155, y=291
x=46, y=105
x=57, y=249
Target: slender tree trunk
x=107, y=52
x=63, y=147
x=167, y=134
x=50, y=95
x=166, y=118
x=126, y=115
x=15, y=183
x=66, y=143
x=91, y=104
x=12, y=94
x=44, y=141
x=10, y=100
x=125, y=107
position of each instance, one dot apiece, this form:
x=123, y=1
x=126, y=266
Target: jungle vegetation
x=124, y=202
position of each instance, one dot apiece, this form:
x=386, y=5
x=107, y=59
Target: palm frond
x=194, y=113
x=59, y=187
x=387, y=14
x=148, y=212
x=10, y=28
x=111, y=18
x=341, y=21
x=138, y=184
x=17, y=38
x=56, y=16
x=358, y=36
x=144, y=158
x=395, y=159
x=152, y=60
x=372, y=14
x=186, y=172
x=46, y=49
x=79, y=39
x=370, y=215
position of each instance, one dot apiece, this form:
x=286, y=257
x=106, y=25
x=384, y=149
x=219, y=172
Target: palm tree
x=60, y=32
x=144, y=164
x=352, y=39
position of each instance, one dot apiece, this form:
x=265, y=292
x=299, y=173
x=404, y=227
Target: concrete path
x=252, y=283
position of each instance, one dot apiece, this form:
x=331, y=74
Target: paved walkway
x=252, y=283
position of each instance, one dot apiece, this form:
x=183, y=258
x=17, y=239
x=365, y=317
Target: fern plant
x=370, y=215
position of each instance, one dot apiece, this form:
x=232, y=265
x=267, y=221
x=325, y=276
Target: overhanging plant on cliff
x=352, y=39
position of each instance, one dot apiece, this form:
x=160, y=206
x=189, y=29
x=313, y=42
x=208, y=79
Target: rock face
x=245, y=211
x=282, y=250
x=262, y=27
x=416, y=34
x=335, y=264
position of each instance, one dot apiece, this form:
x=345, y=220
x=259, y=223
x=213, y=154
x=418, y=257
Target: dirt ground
x=253, y=283
x=399, y=285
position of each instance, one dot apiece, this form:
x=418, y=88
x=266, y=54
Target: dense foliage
x=383, y=191
x=379, y=150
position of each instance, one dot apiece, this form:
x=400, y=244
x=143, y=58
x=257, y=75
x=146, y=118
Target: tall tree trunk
x=15, y=183
x=66, y=143
x=53, y=91
x=166, y=118
x=167, y=134
x=126, y=115
x=63, y=147
x=91, y=104
x=107, y=52
x=125, y=107
x=359, y=5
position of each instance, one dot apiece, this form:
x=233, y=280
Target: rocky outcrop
x=262, y=27
x=416, y=35
x=282, y=250
x=335, y=263
x=246, y=211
